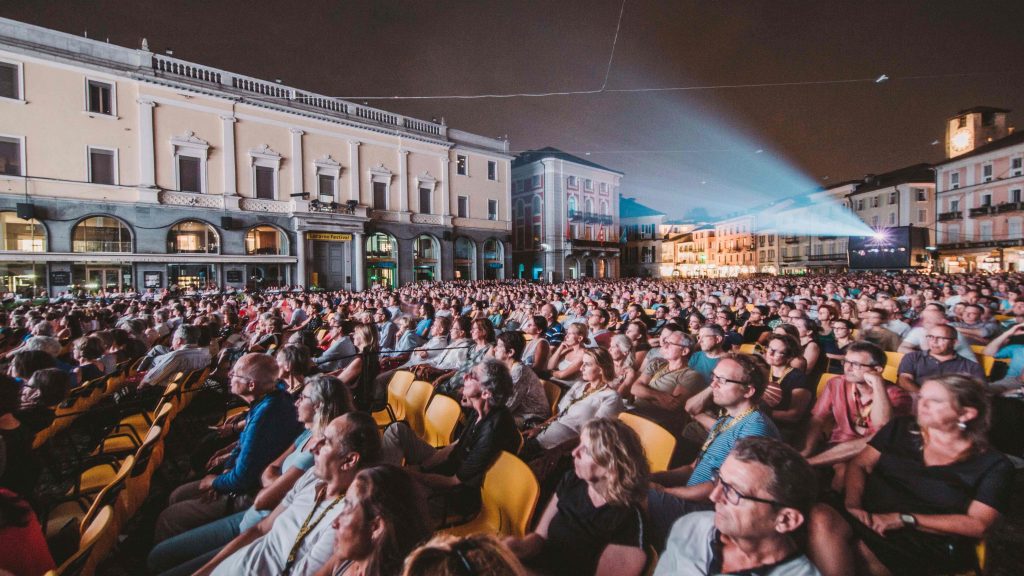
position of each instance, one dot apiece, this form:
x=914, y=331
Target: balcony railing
x=982, y=211
x=575, y=215
x=100, y=246
x=287, y=96
x=947, y=216
x=603, y=244
x=791, y=239
x=331, y=207
x=1010, y=207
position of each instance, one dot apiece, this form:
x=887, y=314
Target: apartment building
x=641, y=226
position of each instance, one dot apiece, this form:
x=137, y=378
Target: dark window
x=461, y=165
x=100, y=97
x=380, y=196
x=10, y=156
x=265, y=182
x=189, y=177
x=101, y=166
x=463, y=207
x=9, y=84
x=492, y=209
x=1015, y=195
x=325, y=183
x=492, y=170
x=425, y=200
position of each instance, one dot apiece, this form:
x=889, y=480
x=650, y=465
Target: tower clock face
x=960, y=141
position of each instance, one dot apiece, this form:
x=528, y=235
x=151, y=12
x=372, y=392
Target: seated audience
x=594, y=524
x=921, y=493
x=528, y=401
x=939, y=358
x=789, y=395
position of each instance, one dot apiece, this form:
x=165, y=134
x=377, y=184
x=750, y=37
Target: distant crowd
x=787, y=425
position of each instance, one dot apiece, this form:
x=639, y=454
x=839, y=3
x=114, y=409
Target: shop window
x=101, y=234
x=193, y=237
x=264, y=240
x=22, y=235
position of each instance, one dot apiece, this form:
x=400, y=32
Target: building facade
x=642, y=228
x=903, y=197
x=734, y=250
x=565, y=217
x=125, y=169
x=979, y=187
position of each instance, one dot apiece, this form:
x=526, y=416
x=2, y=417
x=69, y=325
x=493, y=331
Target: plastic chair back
x=893, y=359
x=747, y=348
x=823, y=381
x=439, y=421
x=658, y=443
x=508, y=499
x=554, y=393
x=83, y=562
x=416, y=401
x=398, y=388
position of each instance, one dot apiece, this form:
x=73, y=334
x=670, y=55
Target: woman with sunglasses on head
x=594, y=524
x=475, y=555
x=922, y=493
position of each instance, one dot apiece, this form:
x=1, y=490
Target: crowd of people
x=822, y=424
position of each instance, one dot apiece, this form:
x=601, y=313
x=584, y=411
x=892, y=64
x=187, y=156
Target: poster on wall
x=152, y=279
x=234, y=276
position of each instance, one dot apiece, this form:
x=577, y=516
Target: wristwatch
x=908, y=520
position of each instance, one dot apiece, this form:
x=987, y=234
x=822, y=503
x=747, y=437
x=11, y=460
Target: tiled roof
x=549, y=152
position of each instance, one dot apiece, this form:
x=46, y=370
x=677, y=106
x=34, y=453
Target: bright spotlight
x=879, y=235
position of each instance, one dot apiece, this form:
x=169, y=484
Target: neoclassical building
x=124, y=168
x=565, y=217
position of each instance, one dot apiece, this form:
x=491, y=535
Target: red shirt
x=836, y=401
x=24, y=551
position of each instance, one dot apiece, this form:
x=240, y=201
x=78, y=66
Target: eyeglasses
x=931, y=337
x=722, y=379
x=733, y=496
x=234, y=374
x=857, y=365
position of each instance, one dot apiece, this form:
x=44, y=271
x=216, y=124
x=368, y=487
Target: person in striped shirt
x=737, y=383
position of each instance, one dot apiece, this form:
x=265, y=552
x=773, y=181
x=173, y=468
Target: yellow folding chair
x=823, y=381
x=416, y=401
x=658, y=443
x=508, y=498
x=440, y=419
x=398, y=387
x=554, y=393
x=83, y=562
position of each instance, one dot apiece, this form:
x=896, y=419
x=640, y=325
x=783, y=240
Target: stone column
x=147, y=152
x=403, y=185
x=446, y=211
x=358, y=261
x=297, y=166
x=300, y=253
x=355, y=174
x=230, y=174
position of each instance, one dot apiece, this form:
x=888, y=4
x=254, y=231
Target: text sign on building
x=329, y=236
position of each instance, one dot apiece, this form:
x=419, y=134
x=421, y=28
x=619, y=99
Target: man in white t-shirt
x=763, y=494
x=349, y=444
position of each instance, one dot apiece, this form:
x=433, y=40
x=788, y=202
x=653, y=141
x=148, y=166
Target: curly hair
x=447, y=555
x=616, y=447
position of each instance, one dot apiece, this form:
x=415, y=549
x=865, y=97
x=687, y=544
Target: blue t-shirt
x=703, y=364
x=1015, y=352
x=754, y=424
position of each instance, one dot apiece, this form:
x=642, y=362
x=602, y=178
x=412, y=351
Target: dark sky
x=680, y=150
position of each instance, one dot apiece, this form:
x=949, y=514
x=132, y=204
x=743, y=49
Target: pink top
x=837, y=401
x=24, y=551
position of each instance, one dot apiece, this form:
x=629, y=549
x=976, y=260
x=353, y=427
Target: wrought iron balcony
x=1010, y=207
x=982, y=211
x=947, y=216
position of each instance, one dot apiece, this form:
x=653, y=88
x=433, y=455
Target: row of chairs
x=114, y=483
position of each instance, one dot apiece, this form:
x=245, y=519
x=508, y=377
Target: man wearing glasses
x=737, y=384
x=940, y=358
x=853, y=406
x=762, y=495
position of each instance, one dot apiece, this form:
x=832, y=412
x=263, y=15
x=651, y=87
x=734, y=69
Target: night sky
x=680, y=150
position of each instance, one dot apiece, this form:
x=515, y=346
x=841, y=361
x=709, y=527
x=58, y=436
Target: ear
x=788, y=520
x=968, y=414
x=351, y=461
x=377, y=529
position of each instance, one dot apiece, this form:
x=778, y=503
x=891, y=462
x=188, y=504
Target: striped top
x=755, y=424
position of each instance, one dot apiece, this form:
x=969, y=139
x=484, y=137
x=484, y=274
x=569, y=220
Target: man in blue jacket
x=270, y=427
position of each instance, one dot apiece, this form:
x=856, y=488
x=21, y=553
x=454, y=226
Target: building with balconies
x=902, y=197
x=565, y=217
x=641, y=227
x=980, y=221
x=734, y=249
x=125, y=169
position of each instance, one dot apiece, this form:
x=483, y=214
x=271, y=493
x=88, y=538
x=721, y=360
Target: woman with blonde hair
x=621, y=351
x=361, y=371
x=591, y=397
x=594, y=523
x=567, y=359
x=923, y=491
x=447, y=555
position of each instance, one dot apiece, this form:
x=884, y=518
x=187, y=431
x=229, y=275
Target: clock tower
x=973, y=128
